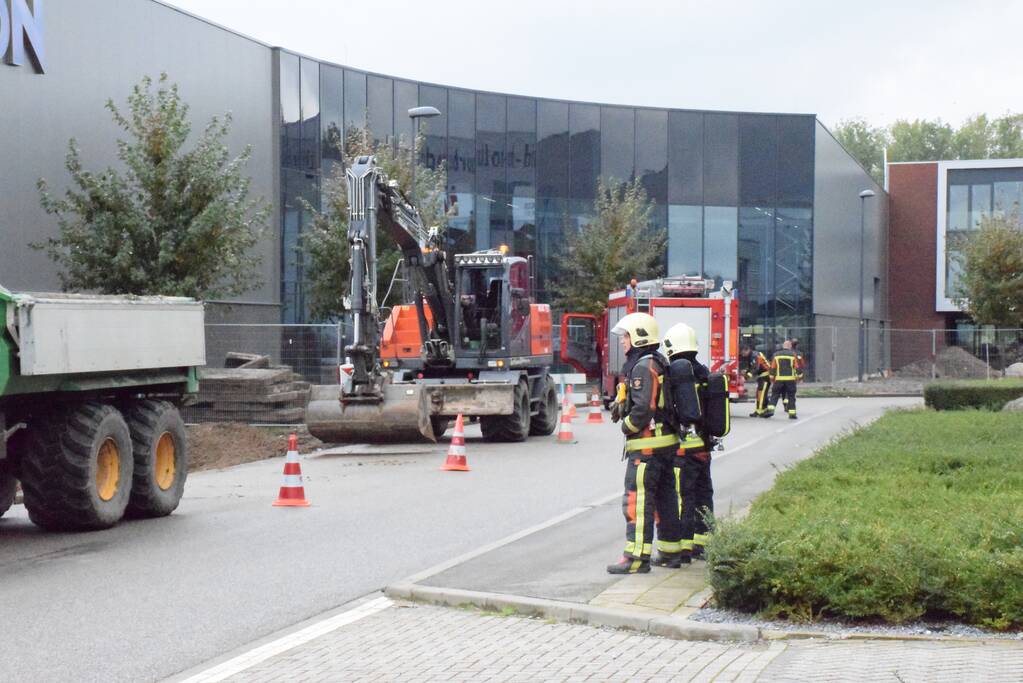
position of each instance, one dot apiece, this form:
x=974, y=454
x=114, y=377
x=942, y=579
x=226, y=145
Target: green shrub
x=962, y=394
x=919, y=515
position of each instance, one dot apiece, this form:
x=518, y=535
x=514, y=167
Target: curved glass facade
x=734, y=191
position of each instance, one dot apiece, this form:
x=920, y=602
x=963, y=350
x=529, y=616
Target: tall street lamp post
x=863, y=330
x=416, y=113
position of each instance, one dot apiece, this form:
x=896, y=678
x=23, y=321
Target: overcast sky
x=880, y=60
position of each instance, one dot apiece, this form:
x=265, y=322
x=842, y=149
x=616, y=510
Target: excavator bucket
x=402, y=416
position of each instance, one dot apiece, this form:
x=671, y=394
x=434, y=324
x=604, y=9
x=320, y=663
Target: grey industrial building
x=770, y=201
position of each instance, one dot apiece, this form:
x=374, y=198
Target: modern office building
x=932, y=203
x=769, y=201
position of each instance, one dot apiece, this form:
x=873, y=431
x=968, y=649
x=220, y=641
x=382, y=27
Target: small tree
x=175, y=222
x=990, y=286
x=615, y=247
x=324, y=248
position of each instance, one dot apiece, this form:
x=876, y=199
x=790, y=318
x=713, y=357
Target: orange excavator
x=471, y=339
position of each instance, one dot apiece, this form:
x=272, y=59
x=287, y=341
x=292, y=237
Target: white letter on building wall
x=27, y=34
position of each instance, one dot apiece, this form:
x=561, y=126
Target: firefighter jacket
x=645, y=422
x=759, y=366
x=785, y=366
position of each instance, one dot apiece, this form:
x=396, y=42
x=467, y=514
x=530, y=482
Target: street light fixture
x=416, y=113
x=864, y=195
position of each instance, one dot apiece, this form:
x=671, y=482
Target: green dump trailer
x=89, y=393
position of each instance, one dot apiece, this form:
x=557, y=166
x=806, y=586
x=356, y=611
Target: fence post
x=934, y=354
x=834, y=366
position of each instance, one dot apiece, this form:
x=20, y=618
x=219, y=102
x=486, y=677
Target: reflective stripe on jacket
x=645, y=424
x=784, y=366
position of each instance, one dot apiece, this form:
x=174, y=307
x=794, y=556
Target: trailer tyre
x=77, y=469
x=160, y=448
x=8, y=489
x=514, y=427
x=546, y=419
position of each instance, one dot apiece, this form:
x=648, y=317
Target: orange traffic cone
x=596, y=417
x=456, y=452
x=571, y=402
x=565, y=436
x=292, y=492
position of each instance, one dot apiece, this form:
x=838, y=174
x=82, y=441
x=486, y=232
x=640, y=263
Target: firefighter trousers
x=645, y=478
x=697, y=492
x=785, y=389
x=763, y=392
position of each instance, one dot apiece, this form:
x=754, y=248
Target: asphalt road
x=151, y=598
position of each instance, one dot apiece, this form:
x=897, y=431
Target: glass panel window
x=331, y=119
x=721, y=159
x=406, y=96
x=795, y=160
x=435, y=130
x=461, y=141
x=520, y=158
x=980, y=203
x=720, y=242
x=758, y=159
x=685, y=240
x=685, y=157
x=958, y=207
x=552, y=149
x=652, y=152
x=584, y=161
x=793, y=273
x=1008, y=197
x=380, y=107
x=618, y=143
x=291, y=110
x=355, y=101
x=491, y=124
x=756, y=264
x=310, y=116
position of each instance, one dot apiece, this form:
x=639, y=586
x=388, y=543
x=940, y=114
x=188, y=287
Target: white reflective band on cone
x=292, y=481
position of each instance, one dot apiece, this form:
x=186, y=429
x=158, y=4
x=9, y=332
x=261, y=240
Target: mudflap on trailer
x=402, y=415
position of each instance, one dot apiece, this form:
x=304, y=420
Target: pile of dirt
x=952, y=362
x=217, y=445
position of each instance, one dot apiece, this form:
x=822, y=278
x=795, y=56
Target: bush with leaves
x=324, y=247
x=174, y=222
x=617, y=245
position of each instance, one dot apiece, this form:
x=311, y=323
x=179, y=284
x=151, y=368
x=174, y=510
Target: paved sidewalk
x=408, y=642
x=678, y=592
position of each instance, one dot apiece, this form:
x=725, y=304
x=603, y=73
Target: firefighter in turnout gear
x=759, y=367
x=650, y=443
x=786, y=370
x=694, y=494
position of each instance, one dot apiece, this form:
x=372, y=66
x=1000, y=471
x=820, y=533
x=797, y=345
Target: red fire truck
x=588, y=346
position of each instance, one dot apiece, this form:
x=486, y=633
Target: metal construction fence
x=279, y=363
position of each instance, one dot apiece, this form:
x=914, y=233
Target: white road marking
x=264, y=652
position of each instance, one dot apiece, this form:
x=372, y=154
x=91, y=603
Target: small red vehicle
x=588, y=346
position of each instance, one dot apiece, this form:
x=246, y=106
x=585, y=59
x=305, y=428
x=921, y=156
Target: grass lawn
x=918, y=515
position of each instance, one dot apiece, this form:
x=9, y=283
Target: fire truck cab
x=588, y=346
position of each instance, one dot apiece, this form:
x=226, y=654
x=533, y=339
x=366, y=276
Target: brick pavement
x=409, y=642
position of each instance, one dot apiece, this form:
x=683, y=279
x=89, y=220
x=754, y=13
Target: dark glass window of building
x=685, y=240
x=291, y=110
x=720, y=159
x=355, y=100
x=406, y=96
x=552, y=149
x=758, y=160
x=652, y=153
x=793, y=277
x=720, y=231
x=520, y=165
x=756, y=265
x=685, y=157
x=584, y=150
x=296, y=186
x=491, y=127
x=435, y=130
x=331, y=117
x=462, y=169
x=311, y=117
x=618, y=143
x=796, y=161
x=380, y=107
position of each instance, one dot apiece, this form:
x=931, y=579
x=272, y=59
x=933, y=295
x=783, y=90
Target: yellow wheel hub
x=165, y=461
x=108, y=470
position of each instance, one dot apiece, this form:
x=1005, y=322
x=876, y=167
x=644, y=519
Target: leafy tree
x=866, y=143
x=174, y=222
x=1007, y=140
x=990, y=286
x=615, y=247
x=974, y=139
x=324, y=248
x=921, y=140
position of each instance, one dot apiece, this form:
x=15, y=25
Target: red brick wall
x=912, y=253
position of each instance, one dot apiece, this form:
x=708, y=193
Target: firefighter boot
x=629, y=565
x=669, y=560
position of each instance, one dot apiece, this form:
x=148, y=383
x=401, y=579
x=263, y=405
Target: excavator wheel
x=546, y=419
x=514, y=427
